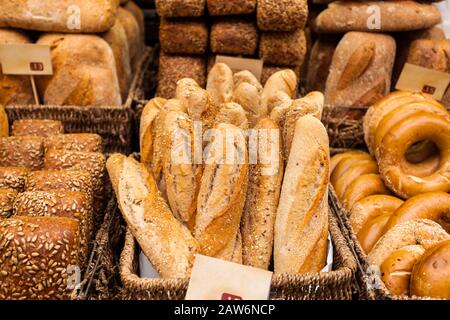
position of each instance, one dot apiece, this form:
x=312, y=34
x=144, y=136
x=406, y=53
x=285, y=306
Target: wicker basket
x=113, y=123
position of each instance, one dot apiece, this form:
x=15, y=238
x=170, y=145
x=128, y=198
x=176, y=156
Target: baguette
x=220, y=84
x=263, y=193
x=248, y=96
x=195, y=99
x=301, y=226
x=164, y=240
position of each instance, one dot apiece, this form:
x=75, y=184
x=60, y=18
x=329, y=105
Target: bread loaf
x=168, y=244
x=248, y=97
x=270, y=69
x=230, y=7
x=86, y=142
x=77, y=16
x=138, y=14
x=117, y=40
x=132, y=31
x=173, y=68
x=188, y=36
x=13, y=177
x=220, y=84
x=37, y=256
x=222, y=193
x=39, y=128
x=301, y=226
x=180, y=8
x=345, y=16
x=195, y=99
x=287, y=48
x=361, y=69
x=282, y=15
x=232, y=113
x=4, y=124
x=285, y=81
x=234, y=36
x=14, y=89
x=84, y=72
x=263, y=193
x=27, y=151
x=319, y=63
x=7, y=197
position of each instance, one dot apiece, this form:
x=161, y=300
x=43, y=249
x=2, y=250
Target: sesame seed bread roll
x=220, y=84
x=13, y=177
x=7, y=197
x=86, y=142
x=180, y=8
x=39, y=128
x=285, y=81
x=36, y=256
x=27, y=151
x=265, y=177
x=301, y=225
x=183, y=36
x=166, y=242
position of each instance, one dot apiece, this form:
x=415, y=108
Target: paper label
x=26, y=59
x=214, y=279
x=255, y=66
x=420, y=79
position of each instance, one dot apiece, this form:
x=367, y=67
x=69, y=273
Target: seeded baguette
x=232, y=113
x=40, y=128
x=183, y=36
x=7, y=197
x=26, y=151
x=86, y=142
x=13, y=178
x=285, y=81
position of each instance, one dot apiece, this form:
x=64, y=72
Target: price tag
x=214, y=279
x=26, y=59
x=420, y=79
x=236, y=64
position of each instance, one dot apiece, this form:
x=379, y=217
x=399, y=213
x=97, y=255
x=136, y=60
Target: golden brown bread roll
x=263, y=193
x=13, y=177
x=249, y=97
x=27, y=151
x=270, y=69
x=347, y=164
x=230, y=7
x=336, y=159
x=301, y=227
x=232, y=113
x=246, y=76
x=234, y=36
x=7, y=197
x=36, y=257
x=285, y=81
x=220, y=84
x=86, y=142
x=180, y=8
x=281, y=15
x=195, y=99
x=185, y=36
x=286, y=49
x=363, y=186
x=39, y=128
x=431, y=275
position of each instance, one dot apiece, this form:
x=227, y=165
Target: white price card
x=26, y=59
x=237, y=64
x=214, y=279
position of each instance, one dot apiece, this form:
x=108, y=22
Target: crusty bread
x=263, y=193
x=247, y=77
x=168, y=244
x=319, y=63
x=270, y=69
x=195, y=99
x=282, y=15
x=285, y=81
x=34, y=127
x=220, y=84
x=26, y=151
x=4, y=124
x=132, y=32
x=230, y=7
x=248, y=97
x=138, y=13
x=222, y=193
x=301, y=226
x=286, y=49
x=234, y=36
x=232, y=113
x=86, y=142
x=183, y=36
x=180, y=8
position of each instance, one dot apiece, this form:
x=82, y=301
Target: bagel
x=336, y=159
x=363, y=186
x=358, y=169
x=385, y=105
x=397, y=268
x=348, y=163
x=418, y=127
x=431, y=275
x=371, y=207
x=432, y=206
x=372, y=231
x=423, y=232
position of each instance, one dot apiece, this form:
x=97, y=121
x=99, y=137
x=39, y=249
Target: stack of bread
x=230, y=205
x=95, y=50
x=50, y=183
x=266, y=29
x=397, y=196
x=353, y=58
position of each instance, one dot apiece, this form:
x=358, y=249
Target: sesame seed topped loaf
x=7, y=197
x=282, y=15
x=13, y=177
x=34, y=127
x=180, y=8
x=86, y=142
x=230, y=7
x=27, y=151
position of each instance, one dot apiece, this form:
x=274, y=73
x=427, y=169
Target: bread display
x=27, y=151
x=84, y=72
x=283, y=48
x=78, y=16
x=361, y=69
x=186, y=36
x=234, y=36
x=230, y=7
x=39, y=128
x=345, y=16
x=281, y=15
x=180, y=8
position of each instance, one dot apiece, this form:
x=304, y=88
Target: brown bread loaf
x=4, y=123
x=281, y=15
x=183, y=36
x=27, y=151
x=13, y=177
x=361, y=69
x=40, y=128
x=138, y=13
x=36, y=258
x=319, y=63
x=7, y=197
x=230, y=7
x=180, y=8
x=14, y=89
x=234, y=36
x=77, y=16
x=87, y=142
x=287, y=48
x=132, y=31
x=84, y=72
x=345, y=16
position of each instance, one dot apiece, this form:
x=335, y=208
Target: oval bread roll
x=220, y=84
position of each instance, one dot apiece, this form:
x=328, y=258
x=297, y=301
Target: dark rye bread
x=180, y=8
x=287, y=48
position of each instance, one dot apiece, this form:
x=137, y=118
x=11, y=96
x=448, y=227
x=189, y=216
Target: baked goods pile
x=188, y=196
x=271, y=30
x=51, y=188
x=362, y=47
x=397, y=196
x=95, y=50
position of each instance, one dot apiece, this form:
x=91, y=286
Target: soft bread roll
x=249, y=97
x=164, y=240
x=232, y=113
x=13, y=177
x=363, y=186
x=263, y=193
x=4, y=125
x=396, y=269
x=36, y=127
x=220, y=84
x=301, y=226
x=422, y=231
x=222, y=193
x=284, y=80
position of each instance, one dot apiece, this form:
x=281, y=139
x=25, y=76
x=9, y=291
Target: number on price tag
x=26, y=59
